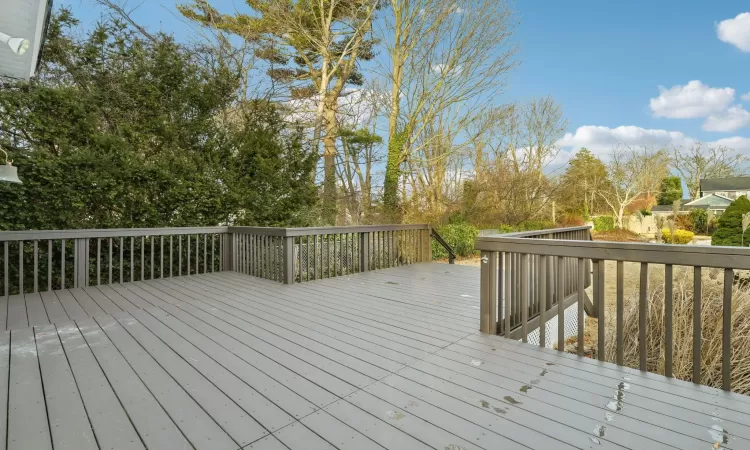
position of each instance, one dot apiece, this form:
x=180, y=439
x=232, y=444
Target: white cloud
x=745, y=97
x=602, y=139
x=732, y=119
x=695, y=99
x=736, y=142
x=736, y=31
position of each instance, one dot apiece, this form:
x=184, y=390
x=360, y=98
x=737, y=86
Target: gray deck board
x=228, y=415
x=154, y=426
x=27, y=415
x=4, y=372
x=107, y=305
x=109, y=420
x=195, y=423
x=68, y=421
x=55, y=311
x=35, y=310
x=373, y=355
x=286, y=399
x=87, y=303
x=388, y=359
x=72, y=308
x=419, y=336
x=17, y=317
x=254, y=404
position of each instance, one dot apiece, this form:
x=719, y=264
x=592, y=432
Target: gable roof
x=725, y=184
x=711, y=200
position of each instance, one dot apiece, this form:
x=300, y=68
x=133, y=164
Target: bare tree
x=632, y=172
x=700, y=161
x=448, y=60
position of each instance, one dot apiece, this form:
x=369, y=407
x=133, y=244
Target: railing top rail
x=35, y=235
x=535, y=233
x=311, y=231
x=681, y=255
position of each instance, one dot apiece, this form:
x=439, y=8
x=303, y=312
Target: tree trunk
x=329, y=209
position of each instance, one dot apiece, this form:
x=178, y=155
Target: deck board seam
x=117, y=396
x=75, y=381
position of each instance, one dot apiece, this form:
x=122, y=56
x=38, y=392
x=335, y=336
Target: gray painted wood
x=338, y=433
x=68, y=421
x=72, y=308
x=153, y=424
x=35, y=310
x=256, y=406
x=17, y=312
x=274, y=391
x=263, y=354
x=202, y=431
x=230, y=417
x=109, y=420
x=374, y=427
x=4, y=372
x=107, y=305
x=55, y=310
x=295, y=345
x=27, y=416
x=298, y=437
x=90, y=307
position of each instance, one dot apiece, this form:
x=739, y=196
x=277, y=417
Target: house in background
x=716, y=194
x=731, y=188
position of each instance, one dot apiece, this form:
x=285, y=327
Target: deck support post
x=288, y=259
x=488, y=293
x=82, y=262
x=364, y=252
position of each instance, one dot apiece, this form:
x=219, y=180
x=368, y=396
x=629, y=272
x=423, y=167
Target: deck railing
x=518, y=276
x=496, y=248
x=302, y=254
x=34, y=261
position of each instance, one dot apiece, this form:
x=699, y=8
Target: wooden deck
x=388, y=359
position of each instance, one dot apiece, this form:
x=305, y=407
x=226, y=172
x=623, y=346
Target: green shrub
x=604, y=223
x=533, y=225
x=504, y=229
x=645, y=212
x=699, y=217
x=460, y=236
x=680, y=236
x=729, y=231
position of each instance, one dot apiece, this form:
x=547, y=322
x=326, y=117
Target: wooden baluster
x=642, y=314
x=581, y=296
x=697, y=295
x=726, y=332
x=620, y=312
x=524, y=296
x=668, y=329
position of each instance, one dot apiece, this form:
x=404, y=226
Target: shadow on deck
x=388, y=359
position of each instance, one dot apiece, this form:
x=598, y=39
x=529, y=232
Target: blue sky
x=605, y=62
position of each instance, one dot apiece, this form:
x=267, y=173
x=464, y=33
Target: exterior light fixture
x=23, y=25
x=18, y=45
x=9, y=172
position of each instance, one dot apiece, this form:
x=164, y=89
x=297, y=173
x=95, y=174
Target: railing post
x=288, y=259
x=488, y=293
x=427, y=245
x=82, y=262
x=364, y=252
x=228, y=252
